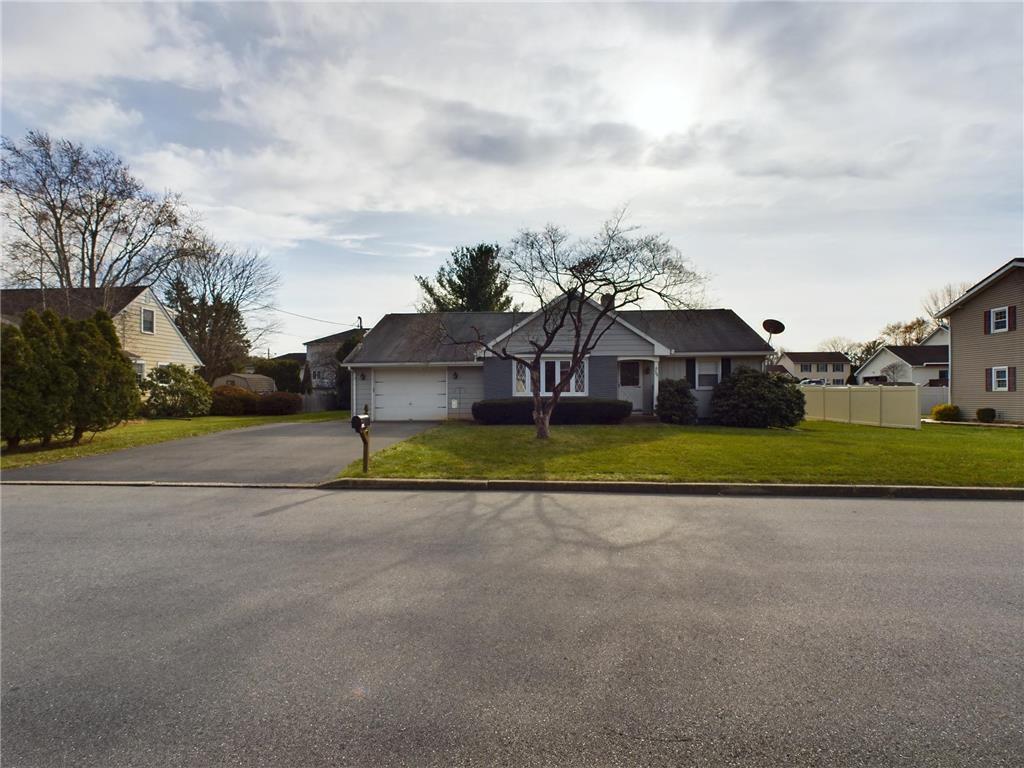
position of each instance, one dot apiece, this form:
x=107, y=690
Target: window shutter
x=988, y=321
x=1011, y=378
x=691, y=371
x=1011, y=318
x=988, y=379
x=726, y=367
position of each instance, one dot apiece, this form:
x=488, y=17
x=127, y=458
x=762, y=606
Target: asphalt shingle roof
x=817, y=357
x=76, y=303
x=921, y=355
x=431, y=337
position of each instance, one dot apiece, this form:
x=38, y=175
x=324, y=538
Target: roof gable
x=817, y=357
x=982, y=285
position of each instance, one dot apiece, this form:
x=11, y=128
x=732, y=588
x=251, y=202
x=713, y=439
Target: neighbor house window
x=551, y=372
x=1001, y=379
x=822, y=367
x=1000, y=319
x=837, y=382
x=708, y=373
x=838, y=367
x=140, y=371
x=148, y=321
x=805, y=367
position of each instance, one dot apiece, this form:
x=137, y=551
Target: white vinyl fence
x=932, y=396
x=872, y=405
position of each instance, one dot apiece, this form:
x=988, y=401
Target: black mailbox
x=360, y=422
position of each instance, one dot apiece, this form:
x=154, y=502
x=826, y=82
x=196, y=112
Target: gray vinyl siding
x=617, y=340
x=497, y=378
x=604, y=377
x=467, y=386
x=675, y=368
x=362, y=389
x=972, y=350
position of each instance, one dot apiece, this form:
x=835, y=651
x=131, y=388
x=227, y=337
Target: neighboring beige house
x=147, y=331
x=833, y=367
x=986, y=347
x=254, y=382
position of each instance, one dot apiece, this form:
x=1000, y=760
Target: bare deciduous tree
x=905, y=334
x=838, y=344
x=77, y=217
x=223, y=298
x=579, y=287
x=892, y=372
x=939, y=298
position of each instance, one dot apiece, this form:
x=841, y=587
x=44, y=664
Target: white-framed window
x=148, y=321
x=1000, y=320
x=1001, y=379
x=805, y=367
x=838, y=382
x=822, y=367
x=709, y=373
x=140, y=371
x=838, y=367
x=551, y=371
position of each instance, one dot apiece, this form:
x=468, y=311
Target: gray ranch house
x=419, y=366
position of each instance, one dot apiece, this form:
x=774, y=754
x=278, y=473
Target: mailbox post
x=361, y=424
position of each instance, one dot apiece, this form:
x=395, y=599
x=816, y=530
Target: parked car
x=813, y=382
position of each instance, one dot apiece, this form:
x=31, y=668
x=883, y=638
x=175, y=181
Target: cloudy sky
x=826, y=164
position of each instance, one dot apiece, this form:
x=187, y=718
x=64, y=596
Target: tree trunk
x=76, y=438
x=13, y=442
x=543, y=421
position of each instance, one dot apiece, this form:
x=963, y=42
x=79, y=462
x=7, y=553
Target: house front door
x=631, y=383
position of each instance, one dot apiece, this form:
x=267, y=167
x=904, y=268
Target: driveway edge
x=684, y=489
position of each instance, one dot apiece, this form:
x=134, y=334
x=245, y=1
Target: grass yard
x=815, y=452
x=146, y=432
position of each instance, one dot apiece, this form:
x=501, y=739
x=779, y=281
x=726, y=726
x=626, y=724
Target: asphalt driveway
x=301, y=452
x=226, y=627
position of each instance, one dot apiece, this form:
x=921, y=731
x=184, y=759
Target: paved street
x=301, y=452
x=214, y=627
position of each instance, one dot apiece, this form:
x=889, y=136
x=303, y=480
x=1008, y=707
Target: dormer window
x=148, y=321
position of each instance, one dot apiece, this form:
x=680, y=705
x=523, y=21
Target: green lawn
x=147, y=432
x=816, y=452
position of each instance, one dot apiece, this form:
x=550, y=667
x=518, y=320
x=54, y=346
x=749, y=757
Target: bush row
x=950, y=412
x=569, y=410
x=61, y=376
x=235, y=401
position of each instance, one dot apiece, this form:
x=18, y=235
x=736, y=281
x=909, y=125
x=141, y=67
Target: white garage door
x=409, y=394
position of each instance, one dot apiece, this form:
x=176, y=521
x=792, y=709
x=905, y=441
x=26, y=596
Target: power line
x=307, y=317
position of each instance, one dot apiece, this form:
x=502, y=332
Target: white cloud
x=788, y=134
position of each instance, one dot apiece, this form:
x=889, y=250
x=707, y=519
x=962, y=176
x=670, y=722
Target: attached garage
x=409, y=394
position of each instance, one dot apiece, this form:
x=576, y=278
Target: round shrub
x=279, y=403
x=175, y=391
x=233, y=401
x=987, y=415
x=946, y=412
x=676, y=403
x=750, y=398
x=569, y=410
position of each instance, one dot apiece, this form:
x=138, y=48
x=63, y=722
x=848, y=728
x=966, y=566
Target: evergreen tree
x=51, y=373
x=19, y=392
x=101, y=399
x=122, y=385
x=472, y=281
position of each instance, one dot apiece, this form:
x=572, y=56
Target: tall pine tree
x=55, y=378
x=471, y=281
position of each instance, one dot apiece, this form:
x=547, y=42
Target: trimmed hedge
x=750, y=398
x=946, y=412
x=233, y=401
x=986, y=415
x=569, y=410
x=676, y=403
x=279, y=404
x=175, y=391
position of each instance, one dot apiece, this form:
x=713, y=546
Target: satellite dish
x=773, y=326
